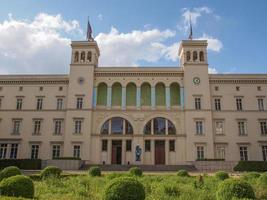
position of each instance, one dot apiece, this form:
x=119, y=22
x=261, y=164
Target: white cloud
x=214, y=44
x=100, y=17
x=212, y=70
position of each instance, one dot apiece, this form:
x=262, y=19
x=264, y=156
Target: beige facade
x=169, y=115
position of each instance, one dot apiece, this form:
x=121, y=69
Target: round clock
x=196, y=80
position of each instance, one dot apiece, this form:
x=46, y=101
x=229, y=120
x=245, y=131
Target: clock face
x=196, y=80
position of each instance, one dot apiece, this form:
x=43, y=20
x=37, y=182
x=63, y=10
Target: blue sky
x=132, y=33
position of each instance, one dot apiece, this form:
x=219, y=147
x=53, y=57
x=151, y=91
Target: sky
x=35, y=36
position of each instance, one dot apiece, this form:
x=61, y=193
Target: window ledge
x=37, y=134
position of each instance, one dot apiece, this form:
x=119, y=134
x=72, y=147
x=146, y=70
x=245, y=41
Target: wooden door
x=116, y=152
x=160, y=152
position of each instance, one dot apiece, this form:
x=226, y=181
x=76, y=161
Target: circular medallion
x=196, y=80
x=80, y=80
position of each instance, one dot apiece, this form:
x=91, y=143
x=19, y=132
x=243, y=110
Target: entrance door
x=116, y=152
x=160, y=152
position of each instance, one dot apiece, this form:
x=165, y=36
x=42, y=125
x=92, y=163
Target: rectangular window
x=218, y=127
x=171, y=145
x=1, y=103
x=217, y=104
x=239, y=104
x=220, y=152
x=3, y=151
x=59, y=104
x=13, y=151
x=55, y=151
x=199, y=127
x=197, y=103
x=263, y=125
x=19, y=104
x=77, y=126
x=79, y=103
x=39, y=105
x=34, y=151
x=58, y=127
x=261, y=104
x=200, y=152
x=264, y=152
x=105, y=145
x=16, y=127
x=242, y=130
x=37, y=127
x=147, y=145
x=128, y=145
x=76, y=151
x=243, y=153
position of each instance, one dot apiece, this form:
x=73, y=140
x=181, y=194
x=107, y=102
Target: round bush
x=136, y=171
x=263, y=180
x=124, y=188
x=17, y=186
x=221, y=175
x=95, y=171
x=231, y=188
x=51, y=171
x=183, y=173
x=9, y=171
x=250, y=175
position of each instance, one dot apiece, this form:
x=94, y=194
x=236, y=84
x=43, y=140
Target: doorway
x=116, y=153
x=160, y=152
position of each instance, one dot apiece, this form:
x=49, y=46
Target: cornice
x=138, y=74
x=238, y=81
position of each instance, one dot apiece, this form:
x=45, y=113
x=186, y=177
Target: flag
x=89, y=31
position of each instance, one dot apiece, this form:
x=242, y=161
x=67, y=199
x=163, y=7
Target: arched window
x=194, y=56
x=175, y=94
x=131, y=94
x=160, y=94
x=188, y=56
x=89, y=56
x=159, y=126
x=116, y=125
x=116, y=94
x=201, y=56
x=102, y=94
x=145, y=94
x=76, y=56
x=83, y=56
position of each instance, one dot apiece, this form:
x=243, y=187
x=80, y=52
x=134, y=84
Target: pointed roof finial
x=89, y=31
x=190, y=37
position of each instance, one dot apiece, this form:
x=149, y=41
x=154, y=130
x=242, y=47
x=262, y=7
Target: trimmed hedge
x=263, y=180
x=136, y=171
x=8, y=172
x=221, y=175
x=17, y=186
x=95, y=171
x=250, y=166
x=250, y=175
x=125, y=188
x=51, y=171
x=21, y=163
x=182, y=173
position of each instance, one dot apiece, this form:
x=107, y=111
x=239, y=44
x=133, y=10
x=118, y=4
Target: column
x=182, y=97
x=153, y=98
x=109, y=97
x=123, y=98
x=138, y=97
x=109, y=151
x=167, y=97
x=152, y=153
x=123, y=152
x=94, y=97
x=166, y=152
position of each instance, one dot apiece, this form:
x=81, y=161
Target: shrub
x=21, y=163
x=183, y=173
x=221, y=175
x=51, y=171
x=18, y=186
x=250, y=166
x=136, y=171
x=199, y=182
x=232, y=188
x=263, y=180
x=9, y=171
x=250, y=175
x=95, y=171
x=124, y=188
x=172, y=190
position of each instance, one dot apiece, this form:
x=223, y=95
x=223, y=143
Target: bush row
x=21, y=163
x=256, y=166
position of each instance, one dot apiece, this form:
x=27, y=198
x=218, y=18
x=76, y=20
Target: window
x=197, y=103
x=37, y=127
x=19, y=103
x=259, y=88
x=55, y=151
x=34, y=151
x=147, y=145
x=77, y=126
x=243, y=153
x=188, y=56
x=0, y=102
x=129, y=128
x=159, y=126
x=58, y=127
x=194, y=56
x=263, y=126
x=171, y=145
x=238, y=103
x=105, y=128
x=79, y=103
x=60, y=88
x=104, y=145
x=116, y=125
x=216, y=88
x=218, y=127
x=128, y=145
x=59, y=103
x=201, y=56
x=217, y=103
x=220, y=152
x=242, y=128
x=264, y=152
x=199, y=127
x=20, y=88
x=147, y=129
x=39, y=105
x=237, y=88
x=13, y=151
x=200, y=152
x=41, y=88
x=260, y=104
x=16, y=126
x=76, y=151
x=3, y=151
